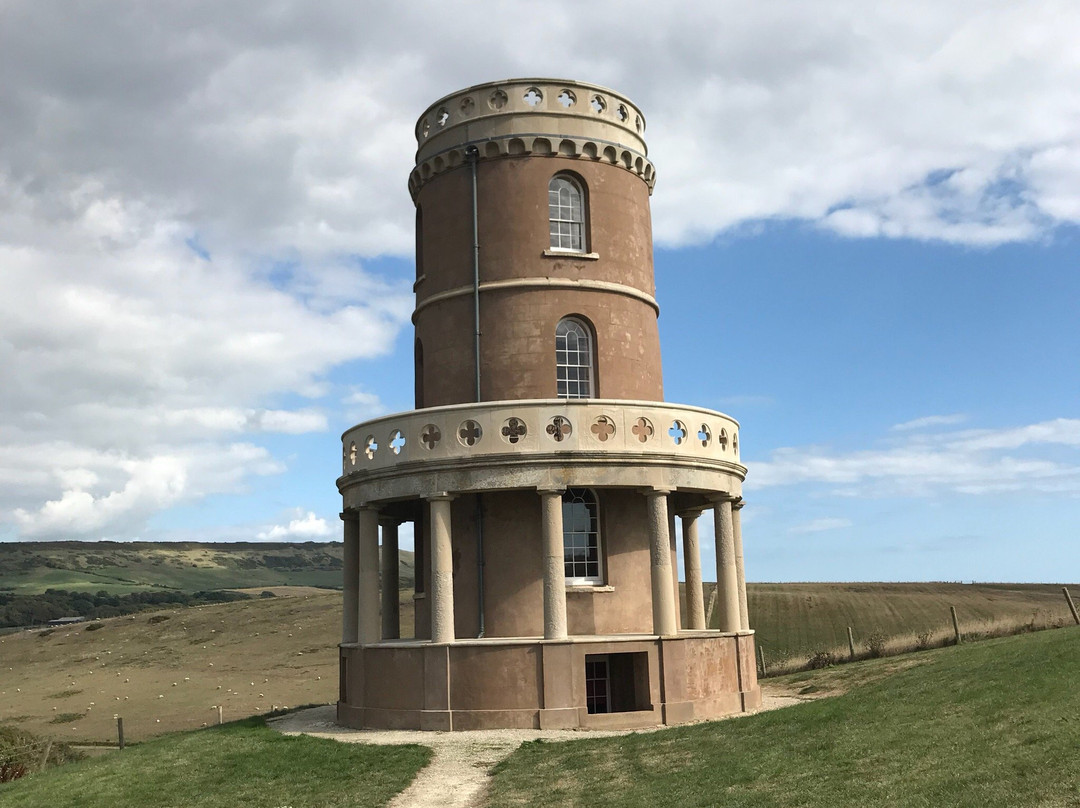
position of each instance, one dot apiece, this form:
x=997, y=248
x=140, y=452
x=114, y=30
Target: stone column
x=695, y=595
x=663, y=598
x=442, y=570
x=351, y=580
x=727, y=579
x=551, y=515
x=673, y=553
x=368, y=620
x=740, y=570
x=391, y=604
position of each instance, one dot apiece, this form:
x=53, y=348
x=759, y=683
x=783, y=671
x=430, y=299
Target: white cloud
x=186, y=193
x=821, y=525
x=929, y=421
x=361, y=405
x=308, y=526
x=969, y=461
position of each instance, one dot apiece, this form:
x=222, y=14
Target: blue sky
x=866, y=223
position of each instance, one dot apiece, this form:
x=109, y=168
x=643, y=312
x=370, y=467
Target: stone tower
x=541, y=469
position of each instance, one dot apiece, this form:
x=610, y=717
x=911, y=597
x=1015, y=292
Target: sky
x=867, y=225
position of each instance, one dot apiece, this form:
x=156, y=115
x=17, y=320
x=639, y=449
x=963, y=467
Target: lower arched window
x=581, y=537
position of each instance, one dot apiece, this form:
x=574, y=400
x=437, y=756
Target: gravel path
x=459, y=770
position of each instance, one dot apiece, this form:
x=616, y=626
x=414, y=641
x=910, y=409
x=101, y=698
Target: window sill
x=576, y=256
x=591, y=588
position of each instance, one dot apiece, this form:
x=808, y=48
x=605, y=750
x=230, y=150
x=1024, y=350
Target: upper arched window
x=566, y=214
x=573, y=359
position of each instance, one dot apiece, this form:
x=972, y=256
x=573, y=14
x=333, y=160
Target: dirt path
x=463, y=761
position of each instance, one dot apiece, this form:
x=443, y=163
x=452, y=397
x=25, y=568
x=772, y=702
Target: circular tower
x=541, y=469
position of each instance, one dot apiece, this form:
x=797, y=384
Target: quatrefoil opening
x=514, y=430
x=678, y=432
x=430, y=436
x=469, y=433
x=603, y=428
x=559, y=428
x=643, y=429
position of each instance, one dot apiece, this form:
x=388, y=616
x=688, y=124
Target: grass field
x=238, y=764
x=122, y=567
x=992, y=723
x=247, y=656
x=795, y=620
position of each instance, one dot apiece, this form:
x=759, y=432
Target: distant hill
x=28, y=568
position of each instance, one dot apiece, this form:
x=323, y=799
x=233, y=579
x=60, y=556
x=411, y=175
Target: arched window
x=573, y=359
x=566, y=214
x=581, y=537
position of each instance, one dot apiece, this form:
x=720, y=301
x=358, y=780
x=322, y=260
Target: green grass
x=239, y=764
x=988, y=724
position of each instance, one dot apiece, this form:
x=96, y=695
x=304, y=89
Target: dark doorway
x=617, y=683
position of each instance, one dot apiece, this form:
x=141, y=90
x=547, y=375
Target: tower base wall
x=536, y=684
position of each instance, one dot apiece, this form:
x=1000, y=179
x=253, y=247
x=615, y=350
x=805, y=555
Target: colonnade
x=361, y=592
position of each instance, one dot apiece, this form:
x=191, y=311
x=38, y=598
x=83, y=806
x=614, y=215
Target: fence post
x=955, y=624
x=120, y=732
x=1072, y=606
x=45, y=757
x=851, y=642
x=219, y=714
x=761, y=656
x=711, y=606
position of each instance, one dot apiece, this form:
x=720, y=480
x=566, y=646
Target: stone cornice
x=540, y=283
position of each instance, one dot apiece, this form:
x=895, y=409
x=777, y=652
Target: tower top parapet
x=531, y=116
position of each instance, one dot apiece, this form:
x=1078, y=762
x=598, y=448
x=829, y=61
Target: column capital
x=389, y=521
x=738, y=504
x=657, y=490
x=440, y=496
x=349, y=515
x=550, y=490
x=718, y=499
x=691, y=513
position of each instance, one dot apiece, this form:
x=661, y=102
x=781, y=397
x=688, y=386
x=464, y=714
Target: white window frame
x=591, y=537
x=565, y=368
x=598, y=659
x=566, y=215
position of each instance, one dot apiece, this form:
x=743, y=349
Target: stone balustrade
x=464, y=432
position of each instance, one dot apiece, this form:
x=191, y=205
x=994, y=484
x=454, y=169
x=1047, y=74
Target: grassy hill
x=793, y=620
x=992, y=723
x=122, y=567
x=165, y=671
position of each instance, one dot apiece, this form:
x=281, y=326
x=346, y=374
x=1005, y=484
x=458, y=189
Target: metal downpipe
x=472, y=154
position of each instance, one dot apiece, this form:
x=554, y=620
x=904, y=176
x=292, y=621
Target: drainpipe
x=472, y=154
